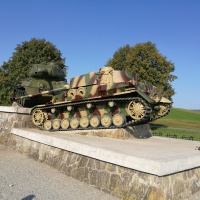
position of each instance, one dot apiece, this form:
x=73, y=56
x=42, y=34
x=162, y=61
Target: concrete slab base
x=153, y=168
x=156, y=155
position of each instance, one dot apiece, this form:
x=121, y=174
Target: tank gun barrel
x=57, y=90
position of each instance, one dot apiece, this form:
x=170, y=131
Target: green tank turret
x=42, y=77
x=104, y=99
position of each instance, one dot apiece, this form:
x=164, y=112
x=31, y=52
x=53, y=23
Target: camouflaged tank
x=42, y=77
x=106, y=99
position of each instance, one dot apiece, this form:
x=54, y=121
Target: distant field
x=179, y=123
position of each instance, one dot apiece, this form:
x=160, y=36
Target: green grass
x=178, y=123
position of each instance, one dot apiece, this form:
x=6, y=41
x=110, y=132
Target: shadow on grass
x=157, y=126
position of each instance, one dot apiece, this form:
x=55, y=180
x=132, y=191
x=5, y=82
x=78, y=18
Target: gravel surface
x=22, y=178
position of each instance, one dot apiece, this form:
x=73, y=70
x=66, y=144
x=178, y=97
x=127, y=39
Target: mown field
x=180, y=123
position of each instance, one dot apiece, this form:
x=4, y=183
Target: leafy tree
x=145, y=59
x=18, y=66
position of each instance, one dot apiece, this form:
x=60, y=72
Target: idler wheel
x=118, y=120
x=38, y=117
x=163, y=110
x=56, y=124
x=48, y=125
x=74, y=122
x=106, y=120
x=136, y=110
x=95, y=121
x=84, y=122
x=65, y=124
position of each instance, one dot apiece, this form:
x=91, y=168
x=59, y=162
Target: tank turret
x=42, y=77
x=104, y=99
x=49, y=70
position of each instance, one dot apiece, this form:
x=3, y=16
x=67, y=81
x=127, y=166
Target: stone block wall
x=13, y=117
x=119, y=181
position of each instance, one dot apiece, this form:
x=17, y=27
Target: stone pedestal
x=140, y=131
x=132, y=168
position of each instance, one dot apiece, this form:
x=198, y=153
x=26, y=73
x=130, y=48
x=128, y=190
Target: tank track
x=145, y=119
x=17, y=93
x=158, y=117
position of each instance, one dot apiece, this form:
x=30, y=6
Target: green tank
x=42, y=77
x=104, y=99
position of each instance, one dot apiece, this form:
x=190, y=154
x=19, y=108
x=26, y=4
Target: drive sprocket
x=38, y=117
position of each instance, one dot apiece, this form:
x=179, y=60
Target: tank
x=42, y=77
x=104, y=99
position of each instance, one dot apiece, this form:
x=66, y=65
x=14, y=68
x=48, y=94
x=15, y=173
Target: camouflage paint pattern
x=107, y=91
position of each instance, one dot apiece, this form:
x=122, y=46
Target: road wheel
x=118, y=120
x=56, y=124
x=84, y=122
x=65, y=124
x=48, y=125
x=74, y=122
x=95, y=121
x=106, y=120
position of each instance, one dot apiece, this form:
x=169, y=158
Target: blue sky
x=88, y=32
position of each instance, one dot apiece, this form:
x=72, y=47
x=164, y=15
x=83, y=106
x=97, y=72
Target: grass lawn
x=180, y=123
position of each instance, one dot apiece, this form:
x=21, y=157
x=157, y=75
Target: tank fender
x=165, y=100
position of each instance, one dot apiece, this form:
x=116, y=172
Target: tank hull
x=115, y=111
